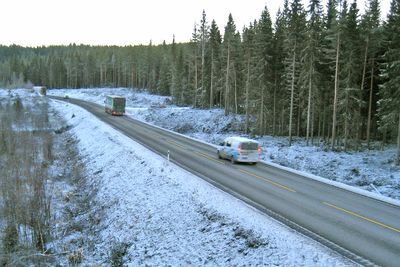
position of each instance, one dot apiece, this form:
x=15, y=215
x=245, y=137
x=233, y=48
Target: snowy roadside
x=370, y=170
x=150, y=212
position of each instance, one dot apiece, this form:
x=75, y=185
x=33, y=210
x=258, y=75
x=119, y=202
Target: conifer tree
x=311, y=56
x=204, y=36
x=214, y=61
x=294, y=44
x=279, y=54
x=228, y=47
x=371, y=34
x=263, y=73
x=389, y=104
x=349, y=95
x=248, y=49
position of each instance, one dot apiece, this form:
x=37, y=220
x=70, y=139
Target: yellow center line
x=175, y=144
x=362, y=217
x=208, y=157
x=269, y=181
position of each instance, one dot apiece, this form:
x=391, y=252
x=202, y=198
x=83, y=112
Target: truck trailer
x=115, y=105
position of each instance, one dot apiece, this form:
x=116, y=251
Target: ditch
x=41, y=181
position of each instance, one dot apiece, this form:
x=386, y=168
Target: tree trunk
x=282, y=121
x=236, y=96
x=370, y=103
x=292, y=96
x=261, y=110
x=195, y=80
x=309, y=104
x=336, y=93
x=398, y=143
x=346, y=122
x=274, y=112
x=203, y=47
x=247, y=96
x=359, y=130
x=227, y=83
x=212, y=80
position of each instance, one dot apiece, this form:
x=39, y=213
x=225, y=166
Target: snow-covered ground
x=154, y=213
x=143, y=211
x=372, y=170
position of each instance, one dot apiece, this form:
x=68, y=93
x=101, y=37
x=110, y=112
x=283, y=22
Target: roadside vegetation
x=37, y=167
x=25, y=155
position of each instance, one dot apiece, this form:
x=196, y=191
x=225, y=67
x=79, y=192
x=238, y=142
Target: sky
x=124, y=22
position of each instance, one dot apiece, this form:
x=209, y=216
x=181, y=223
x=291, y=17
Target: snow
x=154, y=213
x=370, y=172
x=159, y=214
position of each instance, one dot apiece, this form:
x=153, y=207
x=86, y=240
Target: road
x=363, y=229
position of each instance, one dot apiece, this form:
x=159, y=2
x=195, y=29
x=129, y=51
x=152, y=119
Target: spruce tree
x=263, y=73
x=371, y=35
x=279, y=54
x=248, y=49
x=294, y=45
x=228, y=48
x=311, y=57
x=214, y=62
x=389, y=104
x=204, y=36
x=349, y=95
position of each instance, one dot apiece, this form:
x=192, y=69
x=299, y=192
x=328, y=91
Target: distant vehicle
x=239, y=149
x=40, y=89
x=115, y=105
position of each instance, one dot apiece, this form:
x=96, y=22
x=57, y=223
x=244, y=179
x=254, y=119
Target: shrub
x=118, y=253
x=76, y=257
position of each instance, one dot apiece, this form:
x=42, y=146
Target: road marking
x=269, y=181
x=362, y=217
x=208, y=157
x=176, y=144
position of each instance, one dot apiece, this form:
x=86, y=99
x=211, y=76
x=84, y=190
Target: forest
x=328, y=74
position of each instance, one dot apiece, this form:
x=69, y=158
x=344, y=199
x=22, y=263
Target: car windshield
x=249, y=146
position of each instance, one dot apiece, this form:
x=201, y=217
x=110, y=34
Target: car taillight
x=238, y=148
x=259, y=150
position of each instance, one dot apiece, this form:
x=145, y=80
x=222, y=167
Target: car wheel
x=219, y=155
x=233, y=160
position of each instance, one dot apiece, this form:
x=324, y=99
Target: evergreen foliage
x=325, y=76
x=389, y=103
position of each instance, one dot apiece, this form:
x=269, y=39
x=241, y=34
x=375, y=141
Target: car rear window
x=249, y=146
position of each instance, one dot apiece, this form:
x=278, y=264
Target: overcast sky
x=123, y=22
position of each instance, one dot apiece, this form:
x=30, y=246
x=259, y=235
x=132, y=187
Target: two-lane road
x=361, y=228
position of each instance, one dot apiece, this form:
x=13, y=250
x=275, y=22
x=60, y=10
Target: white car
x=239, y=149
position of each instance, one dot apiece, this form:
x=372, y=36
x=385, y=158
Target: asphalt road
x=363, y=229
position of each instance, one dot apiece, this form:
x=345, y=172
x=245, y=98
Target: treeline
x=329, y=75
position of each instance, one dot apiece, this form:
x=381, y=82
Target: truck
x=115, y=105
x=40, y=90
